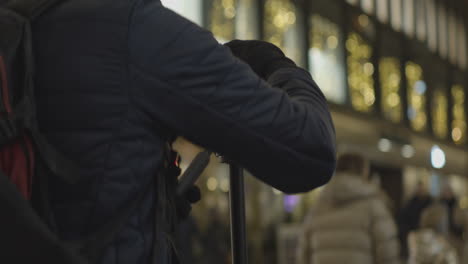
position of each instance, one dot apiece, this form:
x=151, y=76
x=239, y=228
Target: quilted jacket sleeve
x=280, y=130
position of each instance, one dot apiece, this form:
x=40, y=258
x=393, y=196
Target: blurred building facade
x=395, y=75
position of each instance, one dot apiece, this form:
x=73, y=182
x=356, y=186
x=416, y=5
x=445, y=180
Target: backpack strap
x=165, y=218
x=30, y=9
x=24, y=114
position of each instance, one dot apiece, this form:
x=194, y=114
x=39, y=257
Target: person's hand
x=184, y=202
x=263, y=57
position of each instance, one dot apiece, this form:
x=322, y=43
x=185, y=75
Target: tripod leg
x=237, y=206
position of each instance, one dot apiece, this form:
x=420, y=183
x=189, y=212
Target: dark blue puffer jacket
x=114, y=75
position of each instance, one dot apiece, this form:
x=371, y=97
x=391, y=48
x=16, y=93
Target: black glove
x=184, y=202
x=263, y=57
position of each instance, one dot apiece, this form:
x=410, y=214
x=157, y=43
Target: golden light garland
x=439, y=114
x=459, y=115
x=390, y=81
x=222, y=19
x=416, y=96
x=360, y=70
x=323, y=35
x=279, y=17
x=325, y=56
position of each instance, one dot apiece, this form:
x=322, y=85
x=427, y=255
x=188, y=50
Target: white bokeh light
x=407, y=151
x=384, y=145
x=437, y=157
x=191, y=9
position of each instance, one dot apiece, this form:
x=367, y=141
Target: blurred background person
x=351, y=222
x=410, y=214
x=430, y=243
x=450, y=200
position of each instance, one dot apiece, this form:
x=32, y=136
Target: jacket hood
x=345, y=188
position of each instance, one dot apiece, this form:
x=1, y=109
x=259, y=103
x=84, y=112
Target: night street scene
x=233, y=131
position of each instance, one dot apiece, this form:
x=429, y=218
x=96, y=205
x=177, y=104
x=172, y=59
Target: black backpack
x=25, y=238
x=27, y=160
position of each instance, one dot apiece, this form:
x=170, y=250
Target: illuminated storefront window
x=326, y=56
x=459, y=116
x=396, y=16
x=191, y=9
x=222, y=15
x=247, y=19
x=368, y=6
x=390, y=81
x=360, y=70
x=382, y=10
x=439, y=114
x=416, y=96
x=280, y=27
x=408, y=17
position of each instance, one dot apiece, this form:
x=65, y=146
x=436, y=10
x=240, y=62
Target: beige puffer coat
x=351, y=224
x=431, y=243
x=428, y=247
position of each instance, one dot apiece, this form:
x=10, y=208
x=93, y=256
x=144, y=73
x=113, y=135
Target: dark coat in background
x=114, y=76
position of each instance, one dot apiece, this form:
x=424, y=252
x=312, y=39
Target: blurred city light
x=212, y=183
x=407, y=151
x=411, y=113
x=332, y=42
x=290, y=202
x=276, y=191
x=192, y=9
x=421, y=87
x=456, y=134
x=224, y=184
x=363, y=20
x=384, y=145
x=437, y=157
x=409, y=96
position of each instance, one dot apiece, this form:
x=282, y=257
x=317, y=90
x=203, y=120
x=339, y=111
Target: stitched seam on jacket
x=115, y=132
x=136, y=3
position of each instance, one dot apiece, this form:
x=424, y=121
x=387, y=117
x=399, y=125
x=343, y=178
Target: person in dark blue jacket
x=115, y=78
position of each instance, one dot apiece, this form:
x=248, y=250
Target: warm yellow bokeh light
x=222, y=19
x=440, y=114
x=212, y=183
x=416, y=96
x=458, y=114
x=360, y=71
